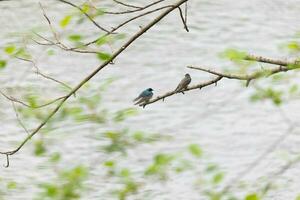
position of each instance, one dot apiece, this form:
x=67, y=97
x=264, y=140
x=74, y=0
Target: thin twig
x=87, y=15
x=18, y=118
x=38, y=71
x=194, y=87
x=135, y=10
x=7, y=161
x=127, y=5
x=183, y=19
x=123, y=24
x=13, y=99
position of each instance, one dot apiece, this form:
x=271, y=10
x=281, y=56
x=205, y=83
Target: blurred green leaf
x=125, y=173
x=233, y=54
x=22, y=53
x=75, y=37
x=103, y=40
x=109, y=163
x=39, y=148
x=163, y=159
x=85, y=8
x=218, y=178
x=11, y=185
x=50, y=52
x=121, y=115
x=293, y=89
x=252, y=197
x=268, y=93
x=65, y=21
x=195, y=150
x=103, y=56
x=55, y=157
x=10, y=49
x=2, y=64
x=211, y=168
x=293, y=46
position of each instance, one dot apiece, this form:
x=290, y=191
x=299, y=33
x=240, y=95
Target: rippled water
x=232, y=131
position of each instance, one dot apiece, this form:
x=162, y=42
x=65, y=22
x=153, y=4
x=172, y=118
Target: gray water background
x=232, y=130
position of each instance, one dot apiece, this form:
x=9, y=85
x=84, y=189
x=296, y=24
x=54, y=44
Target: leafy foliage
x=68, y=185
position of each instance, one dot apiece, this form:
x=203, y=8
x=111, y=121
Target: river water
x=232, y=131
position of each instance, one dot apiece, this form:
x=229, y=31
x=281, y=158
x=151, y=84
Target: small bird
x=184, y=83
x=144, y=97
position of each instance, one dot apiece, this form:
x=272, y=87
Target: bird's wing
x=141, y=95
x=181, y=85
x=142, y=99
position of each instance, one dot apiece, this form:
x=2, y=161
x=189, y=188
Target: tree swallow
x=144, y=97
x=184, y=83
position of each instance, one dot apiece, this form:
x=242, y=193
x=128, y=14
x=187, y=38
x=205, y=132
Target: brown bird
x=183, y=83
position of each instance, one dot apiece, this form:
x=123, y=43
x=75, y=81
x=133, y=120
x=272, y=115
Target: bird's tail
x=136, y=99
x=177, y=89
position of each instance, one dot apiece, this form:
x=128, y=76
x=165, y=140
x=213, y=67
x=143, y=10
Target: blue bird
x=144, y=97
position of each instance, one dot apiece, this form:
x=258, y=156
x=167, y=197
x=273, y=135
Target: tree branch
x=92, y=74
x=135, y=10
x=194, y=87
x=87, y=15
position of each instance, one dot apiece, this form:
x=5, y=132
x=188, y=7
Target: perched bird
x=183, y=83
x=144, y=97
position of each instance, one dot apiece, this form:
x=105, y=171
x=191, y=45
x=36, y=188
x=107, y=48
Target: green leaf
x=298, y=197
x=75, y=37
x=103, y=40
x=234, y=55
x=125, y=173
x=11, y=185
x=40, y=148
x=163, y=159
x=109, y=163
x=2, y=64
x=293, y=89
x=121, y=115
x=252, y=197
x=100, y=12
x=85, y=8
x=211, y=168
x=293, y=46
x=50, y=190
x=10, y=49
x=21, y=52
x=55, y=157
x=195, y=150
x=218, y=178
x=50, y=52
x=103, y=56
x=65, y=21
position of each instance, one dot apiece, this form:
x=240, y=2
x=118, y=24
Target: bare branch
x=7, y=161
x=183, y=19
x=42, y=74
x=123, y=24
x=171, y=93
x=87, y=15
x=13, y=99
x=270, y=61
x=127, y=5
x=18, y=118
x=136, y=10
